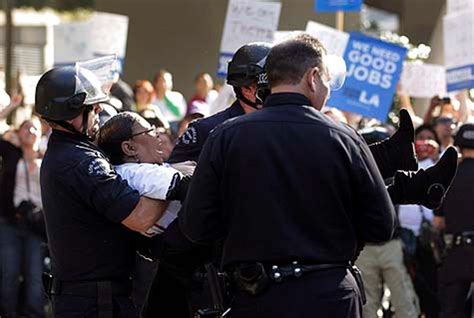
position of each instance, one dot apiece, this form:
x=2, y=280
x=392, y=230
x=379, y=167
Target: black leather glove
x=397, y=152
x=426, y=187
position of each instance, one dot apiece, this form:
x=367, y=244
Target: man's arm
x=200, y=219
x=145, y=214
x=375, y=214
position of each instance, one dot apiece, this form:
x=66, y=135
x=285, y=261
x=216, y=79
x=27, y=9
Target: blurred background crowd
x=402, y=273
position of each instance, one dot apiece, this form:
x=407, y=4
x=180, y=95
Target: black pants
x=328, y=293
x=66, y=306
x=455, y=277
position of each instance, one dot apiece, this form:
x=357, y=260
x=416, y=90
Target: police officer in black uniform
x=457, y=219
x=292, y=193
x=91, y=213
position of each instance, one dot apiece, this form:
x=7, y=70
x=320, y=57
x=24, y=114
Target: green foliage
x=60, y=5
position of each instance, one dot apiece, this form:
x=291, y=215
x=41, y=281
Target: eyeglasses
x=152, y=132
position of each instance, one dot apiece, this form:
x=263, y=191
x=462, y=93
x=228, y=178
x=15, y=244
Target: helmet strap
x=240, y=96
x=71, y=128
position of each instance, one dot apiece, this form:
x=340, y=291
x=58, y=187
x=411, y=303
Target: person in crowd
x=171, y=103
x=21, y=222
x=91, y=213
x=456, y=274
x=123, y=92
x=203, y=91
x=413, y=218
x=198, y=109
x=383, y=264
x=143, y=94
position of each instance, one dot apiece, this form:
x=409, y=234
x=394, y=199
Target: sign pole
x=340, y=20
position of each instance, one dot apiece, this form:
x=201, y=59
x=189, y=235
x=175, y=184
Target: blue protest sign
x=373, y=70
x=460, y=78
x=337, y=5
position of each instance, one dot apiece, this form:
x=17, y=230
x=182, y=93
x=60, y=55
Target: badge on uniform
x=189, y=136
x=99, y=167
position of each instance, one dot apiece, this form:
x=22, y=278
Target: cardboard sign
x=280, y=36
x=454, y=6
x=334, y=41
x=373, y=70
x=423, y=80
x=459, y=50
x=337, y=5
x=246, y=21
x=102, y=34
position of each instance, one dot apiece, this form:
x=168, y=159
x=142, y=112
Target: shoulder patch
x=189, y=136
x=99, y=167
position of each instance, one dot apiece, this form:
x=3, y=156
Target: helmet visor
x=336, y=71
x=95, y=78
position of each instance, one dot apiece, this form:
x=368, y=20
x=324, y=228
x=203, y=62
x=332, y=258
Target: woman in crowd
x=413, y=218
x=144, y=93
x=21, y=232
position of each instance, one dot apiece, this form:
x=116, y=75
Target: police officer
x=456, y=218
x=294, y=207
x=91, y=213
x=243, y=75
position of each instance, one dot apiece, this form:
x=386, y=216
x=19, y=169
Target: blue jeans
x=20, y=255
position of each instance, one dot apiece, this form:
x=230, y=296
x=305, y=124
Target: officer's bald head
x=288, y=61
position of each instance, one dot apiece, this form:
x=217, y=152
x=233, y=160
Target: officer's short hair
x=116, y=130
x=289, y=60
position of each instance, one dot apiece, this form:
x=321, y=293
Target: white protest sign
x=423, y=80
x=459, y=49
x=280, y=36
x=110, y=34
x=455, y=6
x=102, y=34
x=334, y=41
x=459, y=39
x=28, y=84
x=246, y=21
x=71, y=42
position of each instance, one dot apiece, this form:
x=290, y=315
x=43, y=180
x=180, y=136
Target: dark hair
x=430, y=129
x=289, y=60
x=116, y=130
x=161, y=73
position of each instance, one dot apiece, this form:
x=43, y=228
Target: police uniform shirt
x=190, y=143
x=84, y=203
x=286, y=183
x=457, y=206
x=153, y=181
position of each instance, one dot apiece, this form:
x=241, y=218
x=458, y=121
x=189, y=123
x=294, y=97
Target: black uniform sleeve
x=189, y=145
x=200, y=219
x=375, y=214
x=99, y=186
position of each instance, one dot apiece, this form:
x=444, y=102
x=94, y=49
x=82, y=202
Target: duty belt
x=459, y=239
x=279, y=273
x=103, y=291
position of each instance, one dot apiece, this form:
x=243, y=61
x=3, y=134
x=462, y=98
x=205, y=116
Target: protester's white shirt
x=410, y=215
x=21, y=188
x=178, y=100
x=153, y=181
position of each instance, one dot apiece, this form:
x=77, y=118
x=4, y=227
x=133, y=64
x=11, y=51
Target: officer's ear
x=311, y=78
x=128, y=148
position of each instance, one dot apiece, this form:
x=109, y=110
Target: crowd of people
x=151, y=135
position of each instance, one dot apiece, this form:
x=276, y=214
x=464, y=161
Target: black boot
x=426, y=187
x=397, y=152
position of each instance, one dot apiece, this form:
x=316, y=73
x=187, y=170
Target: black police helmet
x=465, y=136
x=374, y=134
x=57, y=97
x=247, y=64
